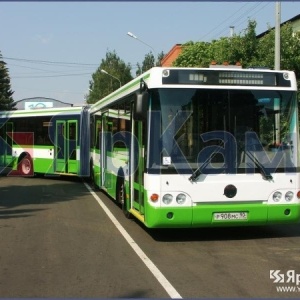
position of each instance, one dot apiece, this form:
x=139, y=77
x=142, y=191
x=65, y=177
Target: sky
x=53, y=48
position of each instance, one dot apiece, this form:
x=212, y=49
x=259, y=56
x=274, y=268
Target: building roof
x=171, y=56
x=40, y=102
x=292, y=20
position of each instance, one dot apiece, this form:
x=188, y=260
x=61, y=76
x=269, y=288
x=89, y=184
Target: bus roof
x=229, y=78
x=41, y=112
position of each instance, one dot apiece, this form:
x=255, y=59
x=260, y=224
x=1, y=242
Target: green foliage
x=245, y=48
x=194, y=55
x=238, y=48
x=6, y=99
x=149, y=62
x=289, y=49
x=102, y=84
x=160, y=56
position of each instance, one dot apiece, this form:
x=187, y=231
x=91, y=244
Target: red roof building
x=171, y=56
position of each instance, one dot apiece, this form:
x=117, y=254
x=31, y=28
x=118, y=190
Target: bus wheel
x=25, y=166
x=92, y=175
x=122, y=200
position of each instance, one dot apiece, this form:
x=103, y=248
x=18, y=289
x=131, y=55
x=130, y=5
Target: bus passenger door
x=72, y=161
x=60, y=147
x=65, y=147
x=137, y=165
x=6, y=131
x=96, y=152
x=105, y=138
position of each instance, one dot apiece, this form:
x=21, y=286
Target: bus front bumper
x=216, y=215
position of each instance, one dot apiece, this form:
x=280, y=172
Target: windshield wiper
x=198, y=172
x=195, y=175
x=266, y=175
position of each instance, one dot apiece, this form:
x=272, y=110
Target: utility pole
x=277, y=67
x=277, y=35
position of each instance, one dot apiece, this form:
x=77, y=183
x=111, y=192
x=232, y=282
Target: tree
x=160, y=56
x=6, y=99
x=149, y=62
x=193, y=55
x=289, y=49
x=247, y=49
x=103, y=84
x=238, y=48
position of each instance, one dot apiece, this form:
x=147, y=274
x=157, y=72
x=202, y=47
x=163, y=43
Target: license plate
x=230, y=216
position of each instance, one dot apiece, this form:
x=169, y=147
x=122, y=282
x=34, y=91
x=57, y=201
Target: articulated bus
x=50, y=141
x=200, y=147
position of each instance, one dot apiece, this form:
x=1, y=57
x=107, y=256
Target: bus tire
x=122, y=199
x=25, y=166
x=92, y=175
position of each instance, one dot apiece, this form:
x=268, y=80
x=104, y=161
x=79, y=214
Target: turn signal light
x=154, y=197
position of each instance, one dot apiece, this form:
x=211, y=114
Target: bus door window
x=72, y=163
x=138, y=160
x=96, y=138
x=72, y=140
x=106, y=151
x=60, y=147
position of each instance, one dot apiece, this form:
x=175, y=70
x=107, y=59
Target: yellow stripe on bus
x=137, y=215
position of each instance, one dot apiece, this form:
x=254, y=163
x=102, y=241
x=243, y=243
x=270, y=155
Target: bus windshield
x=218, y=131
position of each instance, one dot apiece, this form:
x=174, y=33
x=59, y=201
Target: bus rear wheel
x=25, y=166
x=122, y=200
x=92, y=176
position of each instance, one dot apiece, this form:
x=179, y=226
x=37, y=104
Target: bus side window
x=97, y=134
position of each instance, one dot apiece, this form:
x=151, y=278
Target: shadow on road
x=229, y=233
x=16, y=193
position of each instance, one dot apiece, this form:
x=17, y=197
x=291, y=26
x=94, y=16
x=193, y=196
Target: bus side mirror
x=140, y=106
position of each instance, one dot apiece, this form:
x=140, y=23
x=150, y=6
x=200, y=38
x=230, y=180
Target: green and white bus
x=50, y=141
x=200, y=147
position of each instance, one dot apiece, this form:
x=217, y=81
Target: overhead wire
x=220, y=24
x=61, y=73
x=233, y=22
x=54, y=76
x=47, y=62
x=238, y=20
x=261, y=8
x=245, y=16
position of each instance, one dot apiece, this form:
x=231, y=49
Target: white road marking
x=145, y=259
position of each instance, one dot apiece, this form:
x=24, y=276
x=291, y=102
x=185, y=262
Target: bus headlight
x=180, y=198
x=167, y=198
x=277, y=196
x=289, y=196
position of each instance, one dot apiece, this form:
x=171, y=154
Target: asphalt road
x=57, y=241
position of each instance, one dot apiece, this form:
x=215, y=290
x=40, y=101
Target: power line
x=220, y=24
x=42, y=71
x=53, y=76
x=238, y=17
x=47, y=62
x=256, y=12
x=52, y=64
x=241, y=17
